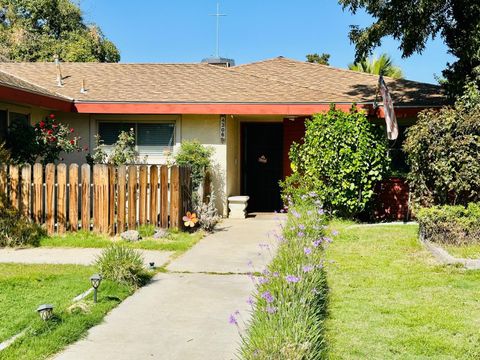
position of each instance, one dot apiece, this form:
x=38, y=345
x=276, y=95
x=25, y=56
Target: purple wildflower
x=262, y=280
x=307, y=268
x=312, y=194
x=301, y=227
x=292, y=278
x=296, y=214
x=320, y=212
x=271, y=309
x=327, y=239
x=316, y=243
x=275, y=274
x=250, y=301
x=233, y=320
x=300, y=234
x=250, y=263
x=267, y=295
x=307, y=250
x=334, y=232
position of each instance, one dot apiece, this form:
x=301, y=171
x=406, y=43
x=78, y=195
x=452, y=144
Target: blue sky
x=183, y=31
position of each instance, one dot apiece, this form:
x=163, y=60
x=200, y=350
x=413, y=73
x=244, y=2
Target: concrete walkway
x=184, y=314
x=75, y=256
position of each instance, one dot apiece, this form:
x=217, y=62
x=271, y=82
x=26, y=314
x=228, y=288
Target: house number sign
x=223, y=128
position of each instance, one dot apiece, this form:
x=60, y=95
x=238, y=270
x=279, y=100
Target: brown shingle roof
x=16, y=83
x=347, y=85
x=272, y=81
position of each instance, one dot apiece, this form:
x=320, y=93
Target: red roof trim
x=29, y=98
x=233, y=109
x=209, y=108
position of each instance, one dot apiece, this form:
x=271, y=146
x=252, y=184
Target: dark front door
x=262, y=165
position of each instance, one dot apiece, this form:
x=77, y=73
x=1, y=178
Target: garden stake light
x=96, y=279
x=45, y=311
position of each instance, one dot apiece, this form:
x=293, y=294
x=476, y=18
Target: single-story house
x=250, y=114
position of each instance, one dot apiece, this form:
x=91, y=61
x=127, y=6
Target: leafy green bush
x=443, y=150
x=123, y=151
x=457, y=225
x=198, y=157
x=289, y=304
x=342, y=158
x=15, y=229
x=123, y=265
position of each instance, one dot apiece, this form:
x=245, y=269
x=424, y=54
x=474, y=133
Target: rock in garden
x=130, y=235
x=160, y=233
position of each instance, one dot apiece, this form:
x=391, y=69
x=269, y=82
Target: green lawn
x=390, y=300
x=175, y=241
x=24, y=287
x=465, y=251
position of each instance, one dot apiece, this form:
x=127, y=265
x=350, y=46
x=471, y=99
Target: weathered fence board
x=132, y=197
x=163, y=196
x=153, y=195
x=122, y=198
x=85, y=197
x=61, y=198
x=38, y=193
x=73, y=197
x=113, y=199
x=49, y=198
x=26, y=189
x=142, y=203
x=14, y=184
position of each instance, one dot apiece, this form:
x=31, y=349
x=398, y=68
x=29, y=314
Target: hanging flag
x=390, y=118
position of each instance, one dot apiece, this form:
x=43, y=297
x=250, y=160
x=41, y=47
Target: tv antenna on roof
x=218, y=15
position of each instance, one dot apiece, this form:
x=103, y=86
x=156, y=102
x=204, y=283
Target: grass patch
x=463, y=251
x=175, y=241
x=390, y=299
x=24, y=287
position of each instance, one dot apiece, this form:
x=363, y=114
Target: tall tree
x=36, y=30
x=414, y=22
x=379, y=66
x=318, y=59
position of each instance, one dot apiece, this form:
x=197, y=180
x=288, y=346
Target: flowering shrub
x=47, y=139
x=289, y=303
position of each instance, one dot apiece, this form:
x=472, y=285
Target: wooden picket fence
x=102, y=198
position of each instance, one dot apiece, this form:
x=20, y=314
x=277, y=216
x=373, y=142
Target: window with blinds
x=150, y=137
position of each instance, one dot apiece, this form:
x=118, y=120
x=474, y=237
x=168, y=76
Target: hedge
x=456, y=225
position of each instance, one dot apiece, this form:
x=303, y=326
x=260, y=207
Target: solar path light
x=45, y=311
x=95, y=279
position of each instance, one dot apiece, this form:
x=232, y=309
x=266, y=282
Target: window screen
x=155, y=134
x=23, y=118
x=109, y=131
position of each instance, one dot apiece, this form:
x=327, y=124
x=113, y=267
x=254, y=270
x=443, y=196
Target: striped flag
x=390, y=118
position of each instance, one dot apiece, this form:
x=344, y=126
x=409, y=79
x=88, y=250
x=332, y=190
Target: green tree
x=378, y=66
x=413, y=23
x=36, y=30
x=322, y=59
x=443, y=151
x=341, y=159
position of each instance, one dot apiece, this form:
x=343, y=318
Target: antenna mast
x=218, y=15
